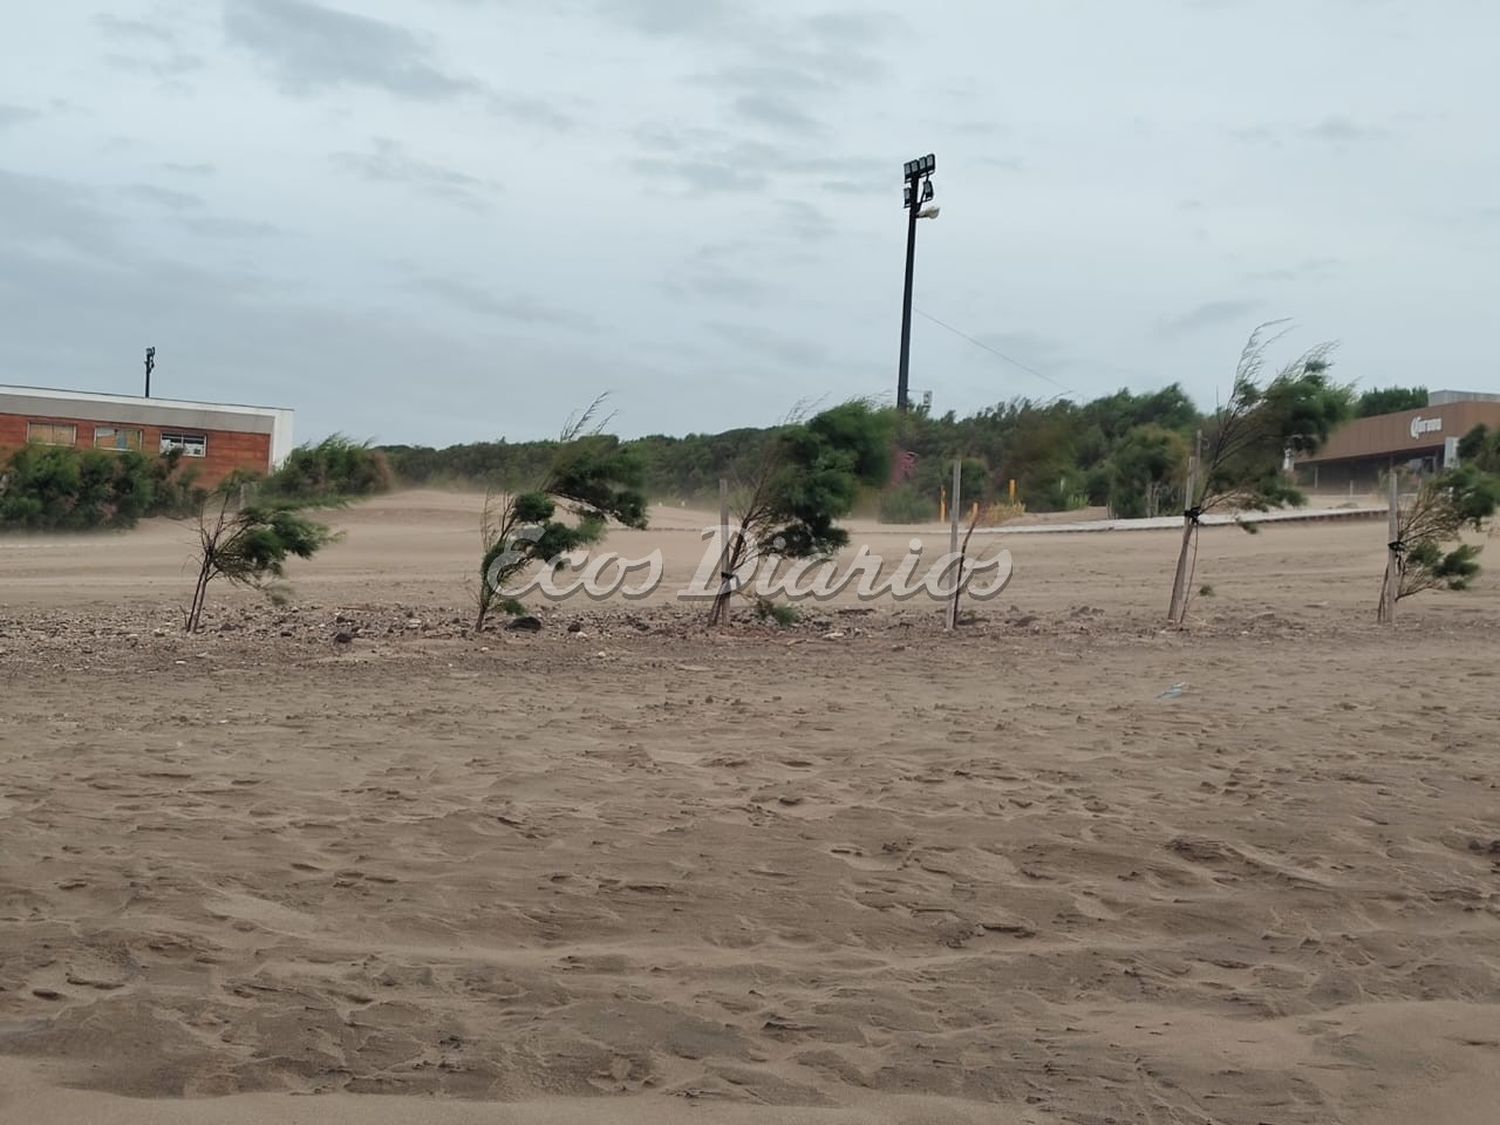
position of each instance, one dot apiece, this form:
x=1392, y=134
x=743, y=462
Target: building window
x=114, y=437
x=192, y=445
x=52, y=433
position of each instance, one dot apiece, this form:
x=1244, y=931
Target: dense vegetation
x=1125, y=450
x=65, y=488
x=336, y=468
x=60, y=488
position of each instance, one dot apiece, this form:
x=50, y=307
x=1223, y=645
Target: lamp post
x=918, y=191
x=150, y=366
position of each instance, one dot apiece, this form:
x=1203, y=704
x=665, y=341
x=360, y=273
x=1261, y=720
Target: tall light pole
x=918, y=191
x=150, y=366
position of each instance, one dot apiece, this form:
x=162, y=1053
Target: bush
x=61, y=488
x=334, y=468
x=907, y=504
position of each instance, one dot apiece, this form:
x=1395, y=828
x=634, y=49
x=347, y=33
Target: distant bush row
x=62, y=488
x=58, y=488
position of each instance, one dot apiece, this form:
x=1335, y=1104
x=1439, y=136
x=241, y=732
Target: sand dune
x=854, y=871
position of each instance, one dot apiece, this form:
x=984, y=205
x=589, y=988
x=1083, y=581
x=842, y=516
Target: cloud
x=39, y=214
x=1309, y=269
x=169, y=198
x=702, y=176
x=791, y=350
x=847, y=28
x=1004, y=163
x=486, y=302
x=1207, y=315
x=153, y=48
x=778, y=112
x=685, y=18
x=1254, y=134
x=213, y=226
x=531, y=111
x=115, y=27
x=16, y=115
x=311, y=48
x=707, y=274
x=1342, y=131
x=1030, y=349
x=1333, y=130
x=174, y=65
x=703, y=163
x=390, y=164
x=194, y=169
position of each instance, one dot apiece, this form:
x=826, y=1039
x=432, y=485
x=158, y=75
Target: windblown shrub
x=334, y=468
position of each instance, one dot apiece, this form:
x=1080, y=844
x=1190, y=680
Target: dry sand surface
x=855, y=871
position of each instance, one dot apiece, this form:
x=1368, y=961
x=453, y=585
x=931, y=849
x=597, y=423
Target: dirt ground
x=626, y=869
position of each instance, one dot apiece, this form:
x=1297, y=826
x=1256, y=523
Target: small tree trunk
x=1391, y=588
x=200, y=595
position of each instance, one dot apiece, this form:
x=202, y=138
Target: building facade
x=1359, y=454
x=215, y=438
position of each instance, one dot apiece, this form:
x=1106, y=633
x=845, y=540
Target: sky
x=460, y=220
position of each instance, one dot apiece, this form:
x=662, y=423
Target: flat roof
x=127, y=400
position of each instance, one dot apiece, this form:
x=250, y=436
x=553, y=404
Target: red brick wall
x=226, y=451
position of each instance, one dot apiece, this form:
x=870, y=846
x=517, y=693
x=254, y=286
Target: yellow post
x=942, y=504
x=1013, y=492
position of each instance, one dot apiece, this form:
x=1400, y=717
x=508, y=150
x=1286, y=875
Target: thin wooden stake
x=1178, y=610
x=953, y=510
x=721, y=608
x=1392, y=585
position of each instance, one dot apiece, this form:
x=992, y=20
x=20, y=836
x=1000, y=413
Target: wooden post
x=1178, y=610
x=1392, y=585
x=721, y=608
x=953, y=510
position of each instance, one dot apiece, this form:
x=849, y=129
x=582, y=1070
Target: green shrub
x=778, y=612
x=62, y=488
x=907, y=504
x=334, y=468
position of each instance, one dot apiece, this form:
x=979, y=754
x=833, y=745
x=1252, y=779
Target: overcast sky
x=453, y=220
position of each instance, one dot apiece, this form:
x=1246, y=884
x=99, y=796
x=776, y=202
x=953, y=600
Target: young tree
x=248, y=544
x=591, y=476
x=1248, y=440
x=803, y=480
x=1427, y=551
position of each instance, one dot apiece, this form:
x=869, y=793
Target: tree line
x=1125, y=451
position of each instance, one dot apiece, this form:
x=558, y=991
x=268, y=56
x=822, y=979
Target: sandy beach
x=852, y=871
